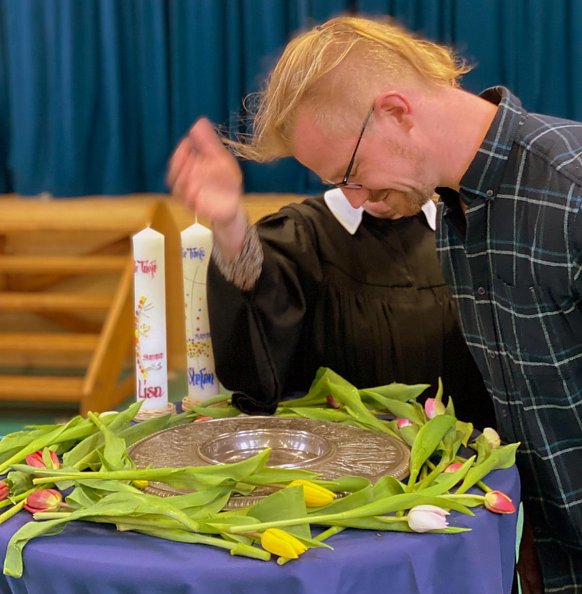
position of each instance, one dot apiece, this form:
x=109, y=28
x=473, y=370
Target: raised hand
x=208, y=179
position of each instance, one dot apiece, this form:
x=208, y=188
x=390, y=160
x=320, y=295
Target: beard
x=389, y=203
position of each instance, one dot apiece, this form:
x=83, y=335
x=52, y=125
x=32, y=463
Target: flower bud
x=140, y=484
x=332, y=402
x=203, y=418
x=423, y=518
x=433, y=407
x=37, y=459
x=315, y=495
x=46, y=500
x=498, y=502
x=404, y=423
x=453, y=467
x=282, y=543
x=492, y=437
x=4, y=490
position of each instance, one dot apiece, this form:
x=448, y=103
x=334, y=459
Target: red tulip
x=498, y=502
x=37, y=460
x=4, y=490
x=453, y=467
x=46, y=500
x=403, y=423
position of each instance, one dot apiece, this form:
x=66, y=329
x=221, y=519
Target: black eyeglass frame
x=345, y=183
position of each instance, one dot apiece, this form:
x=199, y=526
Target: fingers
x=178, y=162
x=204, y=138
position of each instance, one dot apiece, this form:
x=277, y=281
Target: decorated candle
x=196, y=249
x=151, y=367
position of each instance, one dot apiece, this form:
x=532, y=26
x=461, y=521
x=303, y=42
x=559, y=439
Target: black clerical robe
x=374, y=307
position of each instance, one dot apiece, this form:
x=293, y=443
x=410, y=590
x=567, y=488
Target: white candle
x=196, y=250
x=151, y=367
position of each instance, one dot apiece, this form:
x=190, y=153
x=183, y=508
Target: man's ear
x=396, y=107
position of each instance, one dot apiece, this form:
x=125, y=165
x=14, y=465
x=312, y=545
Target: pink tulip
x=37, y=460
x=46, y=500
x=453, y=467
x=404, y=423
x=499, y=502
x=492, y=437
x=4, y=490
x=433, y=407
x=423, y=518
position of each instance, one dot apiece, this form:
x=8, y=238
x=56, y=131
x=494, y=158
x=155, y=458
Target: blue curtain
x=94, y=94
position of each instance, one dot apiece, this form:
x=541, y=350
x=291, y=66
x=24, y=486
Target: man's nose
x=356, y=198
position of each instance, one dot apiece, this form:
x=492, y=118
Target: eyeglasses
x=345, y=183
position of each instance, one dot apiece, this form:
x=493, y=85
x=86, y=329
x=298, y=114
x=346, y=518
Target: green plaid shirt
x=515, y=266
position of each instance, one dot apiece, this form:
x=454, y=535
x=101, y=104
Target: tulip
x=433, y=407
x=315, y=495
x=282, y=543
x=423, y=518
x=498, y=502
x=46, y=500
x=140, y=484
x=453, y=467
x=4, y=490
x=37, y=460
x=492, y=437
x=332, y=402
x=203, y=418
x=403, y=423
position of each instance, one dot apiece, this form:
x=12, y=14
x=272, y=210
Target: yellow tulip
x=281, y=543
x=315, y=495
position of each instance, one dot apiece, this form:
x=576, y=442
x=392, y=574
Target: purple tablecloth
x=92, y=559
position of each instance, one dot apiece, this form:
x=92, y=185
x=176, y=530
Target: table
x=95, y=559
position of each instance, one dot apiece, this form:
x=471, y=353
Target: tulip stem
x=331, y=531
x=12, y=511
x=311, y=519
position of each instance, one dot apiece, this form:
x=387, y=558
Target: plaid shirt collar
x=482, y=179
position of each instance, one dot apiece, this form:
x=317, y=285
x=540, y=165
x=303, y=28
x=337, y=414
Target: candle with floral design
x=151, y=367
x=196, y=250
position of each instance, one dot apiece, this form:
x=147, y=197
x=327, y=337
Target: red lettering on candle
x=146, y=392
x=146, y=267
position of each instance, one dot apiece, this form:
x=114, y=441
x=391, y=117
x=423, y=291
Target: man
x=379, y=113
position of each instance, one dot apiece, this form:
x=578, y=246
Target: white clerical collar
x=350, y=217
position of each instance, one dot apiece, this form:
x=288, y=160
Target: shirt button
x=489, y=193
x=481, y=291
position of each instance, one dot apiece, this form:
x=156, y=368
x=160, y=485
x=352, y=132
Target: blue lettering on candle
x=200, y=378
x=194, y=253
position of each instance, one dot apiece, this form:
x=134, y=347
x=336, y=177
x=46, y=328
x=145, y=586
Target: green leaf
x=331, y=415
x=216, y=412
x=86, y=453
x=396, y=391
x=426, y=442
x=501, y=457
x=290, y=500
x=401, y=410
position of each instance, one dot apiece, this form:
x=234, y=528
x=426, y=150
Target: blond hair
x=314, y=69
